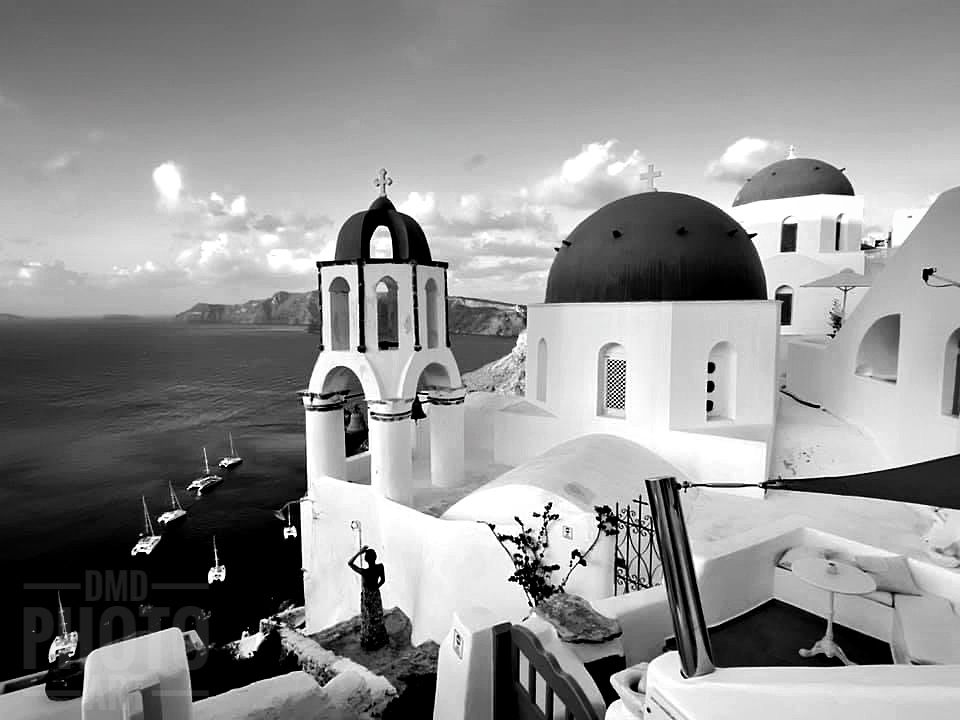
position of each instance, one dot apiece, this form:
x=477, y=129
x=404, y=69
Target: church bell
x=356, y=422
x=416, y=412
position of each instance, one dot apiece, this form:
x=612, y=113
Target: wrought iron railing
x=636, y=563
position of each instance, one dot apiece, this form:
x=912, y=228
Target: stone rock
x=576, y=621
x=507, y=375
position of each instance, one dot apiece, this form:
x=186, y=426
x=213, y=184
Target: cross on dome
x=650, y=175
x=383, y=181
x=792, y=152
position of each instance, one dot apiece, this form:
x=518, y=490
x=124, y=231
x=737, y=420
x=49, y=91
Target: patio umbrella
x=844, y=281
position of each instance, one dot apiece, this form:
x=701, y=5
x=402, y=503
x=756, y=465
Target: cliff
x=506, y=375
x=467, y=316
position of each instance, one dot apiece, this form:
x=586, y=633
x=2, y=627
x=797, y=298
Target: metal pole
x=693, y=640
x=355, y=525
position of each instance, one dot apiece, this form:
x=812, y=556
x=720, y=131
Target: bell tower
x=384, y=342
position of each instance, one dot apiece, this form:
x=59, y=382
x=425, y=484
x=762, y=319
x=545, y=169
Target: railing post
x=693, y=639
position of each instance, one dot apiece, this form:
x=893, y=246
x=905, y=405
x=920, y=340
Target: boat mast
x=174, y=500
x=147, y=525
x=63, y=620
x=233, y=453
x=206, y=465
x=216, y=559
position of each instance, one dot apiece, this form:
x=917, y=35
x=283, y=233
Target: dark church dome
x=408, y=239
x=794, y=177
x=657, y=246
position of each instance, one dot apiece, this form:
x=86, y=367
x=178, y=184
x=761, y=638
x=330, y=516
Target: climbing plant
x=529, y=547
x=836, y=318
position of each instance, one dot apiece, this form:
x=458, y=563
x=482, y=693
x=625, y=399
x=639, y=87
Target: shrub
x=529, y=548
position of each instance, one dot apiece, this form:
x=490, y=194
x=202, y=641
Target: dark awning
x=932, y=482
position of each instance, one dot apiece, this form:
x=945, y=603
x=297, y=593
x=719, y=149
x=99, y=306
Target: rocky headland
x=467, y=316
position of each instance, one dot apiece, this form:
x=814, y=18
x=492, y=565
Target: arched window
x=837, y=232
x=951, y=375
x=722, y=382
x=339, y=314
x=542, y=370
x=785, y=295
x=788, y=235
x=612, y=390
x=381, y=244
x=388, y=336
x=879, y=351
x=433, y=322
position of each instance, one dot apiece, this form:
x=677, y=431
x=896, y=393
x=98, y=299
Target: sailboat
x=218, y=571
x=290, y=531
x=175, y=512
x=232, y=461
x=148, y=540
x=208, y=480
x=66, y=642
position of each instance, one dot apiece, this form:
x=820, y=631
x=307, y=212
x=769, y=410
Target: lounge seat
x=926, y=630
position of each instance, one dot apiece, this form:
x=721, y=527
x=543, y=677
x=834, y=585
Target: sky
x=155, y=155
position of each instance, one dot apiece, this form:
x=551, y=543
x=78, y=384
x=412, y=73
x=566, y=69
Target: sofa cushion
x=881, y=596
x=892, y=574
x=930, y=629
x=808, y=551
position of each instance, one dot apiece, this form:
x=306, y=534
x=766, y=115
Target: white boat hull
x=145, y=545
x=205, y=484
x=63, y=645
x=230, y=462
x=171, y=515
x=217, y=573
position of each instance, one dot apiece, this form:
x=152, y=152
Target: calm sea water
x=94, y=414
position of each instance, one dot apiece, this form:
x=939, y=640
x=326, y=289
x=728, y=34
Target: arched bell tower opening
x=438, y=447
x=384, y=323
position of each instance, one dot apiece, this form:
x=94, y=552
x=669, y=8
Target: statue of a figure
x=373, y=633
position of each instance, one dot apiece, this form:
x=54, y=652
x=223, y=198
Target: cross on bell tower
x=383, y=181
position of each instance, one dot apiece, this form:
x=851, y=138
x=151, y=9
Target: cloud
x=60, y=164
x=594, y=177
x=475, y=161
x=169, y=183
x=744, y=158
x=7, y=103
x=226, y=242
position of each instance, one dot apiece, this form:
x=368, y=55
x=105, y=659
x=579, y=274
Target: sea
x=94, y=415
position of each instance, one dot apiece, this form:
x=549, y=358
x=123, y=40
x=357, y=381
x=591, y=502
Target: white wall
x=906, y=418
x=815, y=256
x=904, y=221
x=667, y=347
x=432, y=566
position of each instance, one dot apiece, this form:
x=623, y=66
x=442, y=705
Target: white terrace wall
x=433, y=567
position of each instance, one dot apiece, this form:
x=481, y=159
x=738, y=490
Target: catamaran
x=148, y=540
x=232, y=461
x=218, y=571
x=176, y=510
x=209, y=480
x=66, y=642
x=290, y=531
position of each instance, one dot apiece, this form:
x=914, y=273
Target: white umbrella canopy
x=844, y=281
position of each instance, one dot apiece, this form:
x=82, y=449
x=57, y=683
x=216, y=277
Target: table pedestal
x=826, y=645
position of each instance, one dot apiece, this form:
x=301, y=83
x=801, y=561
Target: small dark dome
x=409, y=241
x=657, y=246
x=794, y=177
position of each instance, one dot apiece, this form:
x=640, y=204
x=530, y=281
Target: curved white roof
x=584, y=472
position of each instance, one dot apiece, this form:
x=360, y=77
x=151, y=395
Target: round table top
x=847, y=580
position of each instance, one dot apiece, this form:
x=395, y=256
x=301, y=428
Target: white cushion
x=808, y=551
x=881, y=597
x=930, y=629
x=891, y=573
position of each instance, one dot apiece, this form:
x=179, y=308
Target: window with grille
x=614, y=386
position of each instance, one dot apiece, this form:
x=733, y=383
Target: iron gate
x=636, y=564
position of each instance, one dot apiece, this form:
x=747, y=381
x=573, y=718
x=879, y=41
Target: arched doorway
x=788, y=235
x=344, y=382
x=784, y=295
x=388, y=331
x=438, y=434
x=838, y=233
x=339, y=314
x=433, y=315
x=951, y=376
